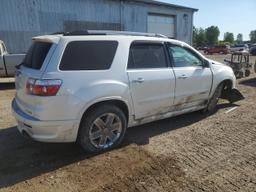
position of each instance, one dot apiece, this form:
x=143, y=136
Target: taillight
x=43, y=87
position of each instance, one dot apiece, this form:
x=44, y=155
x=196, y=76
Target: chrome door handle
x=139, y=80
x=182, y=77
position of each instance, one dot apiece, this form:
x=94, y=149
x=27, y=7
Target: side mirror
x=206, y=64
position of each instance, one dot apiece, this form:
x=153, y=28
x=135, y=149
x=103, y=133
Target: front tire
x=211, y=107
x=102, y=129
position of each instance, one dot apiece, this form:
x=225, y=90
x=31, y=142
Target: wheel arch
x=117, y=102
x=227, y=86
x=227, y=83
x=123, y=105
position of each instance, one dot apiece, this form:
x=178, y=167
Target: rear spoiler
x=47, y=38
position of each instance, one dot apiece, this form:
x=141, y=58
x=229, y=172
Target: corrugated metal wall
x=22, y=19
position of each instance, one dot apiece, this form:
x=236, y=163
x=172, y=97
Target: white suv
x=89, y=87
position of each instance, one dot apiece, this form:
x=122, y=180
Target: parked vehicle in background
x=221, y=49
x=253, y=50
x=201, y=48
x=240, y=63
x=8, y=61
x=90, y=86
x=241, y=47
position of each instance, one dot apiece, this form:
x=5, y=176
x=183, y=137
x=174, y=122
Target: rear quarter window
x=36, y=55
x=88, y=55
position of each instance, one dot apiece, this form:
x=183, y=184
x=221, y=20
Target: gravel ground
x=192, y=152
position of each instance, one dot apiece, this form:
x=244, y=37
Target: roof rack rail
x=57, y=33
x=109, y=32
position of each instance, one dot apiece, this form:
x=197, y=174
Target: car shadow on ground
x=6, y=86
x=22, y=159
x=249, y=82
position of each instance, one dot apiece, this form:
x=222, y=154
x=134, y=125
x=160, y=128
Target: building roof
x=154, y=2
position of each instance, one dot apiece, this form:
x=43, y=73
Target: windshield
x=36, y=55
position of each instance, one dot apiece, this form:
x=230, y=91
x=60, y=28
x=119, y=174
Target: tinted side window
x=88, y=55
x=36, y=55
x=183, y=57
x=143, y=55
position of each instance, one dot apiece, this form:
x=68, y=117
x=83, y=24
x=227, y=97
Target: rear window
x=36, y=55
x=88, y=55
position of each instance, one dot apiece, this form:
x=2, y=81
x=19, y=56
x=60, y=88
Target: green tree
x=253, y=36
x=195, y=36
x=239, y=38
x=212, y=34
x=223, y=43
x=201, y=38
x=229, y=37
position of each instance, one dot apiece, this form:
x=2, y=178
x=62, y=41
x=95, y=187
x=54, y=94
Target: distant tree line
x=203, y=37
x=253, y=36
x=210, y=36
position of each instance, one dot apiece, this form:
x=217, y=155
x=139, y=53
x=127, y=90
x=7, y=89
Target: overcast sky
x=237, y=16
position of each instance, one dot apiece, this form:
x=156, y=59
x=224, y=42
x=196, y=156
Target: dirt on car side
x=192, y=152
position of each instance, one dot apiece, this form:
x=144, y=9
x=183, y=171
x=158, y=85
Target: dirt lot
x=192, y=152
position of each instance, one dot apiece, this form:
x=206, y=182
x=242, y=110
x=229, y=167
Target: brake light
x=43, y=87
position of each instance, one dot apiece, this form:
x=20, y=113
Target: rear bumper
x=45, y=131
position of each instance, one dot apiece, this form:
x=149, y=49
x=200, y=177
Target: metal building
x=22, y=19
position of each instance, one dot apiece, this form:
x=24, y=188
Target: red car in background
x=221, y=49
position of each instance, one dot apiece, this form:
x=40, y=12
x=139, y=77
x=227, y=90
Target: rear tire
x=247, y=73
x=102, y=129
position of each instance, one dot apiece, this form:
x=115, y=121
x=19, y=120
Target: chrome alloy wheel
x=105, y=130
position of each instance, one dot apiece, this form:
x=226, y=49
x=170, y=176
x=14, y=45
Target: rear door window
x=146, y=56
x=88, y=55
x=36, y=55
